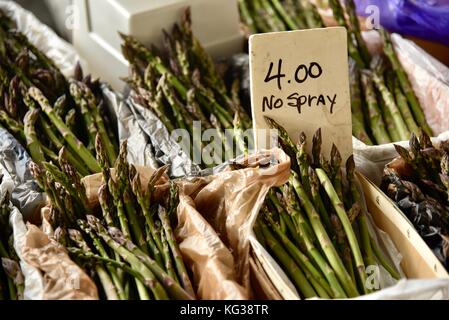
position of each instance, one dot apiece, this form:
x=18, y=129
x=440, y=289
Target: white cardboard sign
x=300, y=79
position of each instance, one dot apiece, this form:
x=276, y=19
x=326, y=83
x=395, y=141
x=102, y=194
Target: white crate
x=215, y=23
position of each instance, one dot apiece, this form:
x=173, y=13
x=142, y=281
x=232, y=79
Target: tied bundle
x=127, y=245
x=183, y=86
x=46, y=112
x=315, y=226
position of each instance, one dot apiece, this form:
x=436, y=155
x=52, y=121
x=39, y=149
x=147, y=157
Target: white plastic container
x=215, y=23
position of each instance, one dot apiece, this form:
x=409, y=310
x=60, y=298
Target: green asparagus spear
x=71, y=139
x=338, y=206
x=405, y=83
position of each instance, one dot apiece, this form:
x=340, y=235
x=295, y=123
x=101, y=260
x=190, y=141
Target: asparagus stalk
x=144, y=201
x=246, y=15
x=180, y=267
x=358, y=116
x=312, y=274
x=309, y=246
x=71, y=139
x=272, y=18
x=402, y=103
x=33, y=143
x=375, y=119
x=118, y=203
x=94, y=108
x=355, y=25
x=318, y=202
x=338, y=206
x=137, y=258
x=13, y=126
x=324, y=241
x=284, y=216
x=290, y=266
x=288, y=20
x=150, y=280
x=105, y=279
x=260, y=17
x=339, y=16
x=77, y=95
x=405, y=83
x=345, y=250
x=390, y=104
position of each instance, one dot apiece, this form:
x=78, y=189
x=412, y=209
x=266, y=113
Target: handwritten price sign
x=300, y=79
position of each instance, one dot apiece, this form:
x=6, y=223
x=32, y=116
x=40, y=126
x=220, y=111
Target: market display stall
x=163, y=191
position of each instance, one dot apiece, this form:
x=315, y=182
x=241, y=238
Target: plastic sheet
x=62, y=278
x=230, y=201
x=14, y=164
x=139, y=149
x=436, y=289
x=34, y=282
x=154, y=133
x=427, y=19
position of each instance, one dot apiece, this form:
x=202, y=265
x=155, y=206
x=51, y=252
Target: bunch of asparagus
x=183, y=85
x=46, y=112
x=384, y=105
x=11, y=277
x=418, y=181
x=314, y=225
x=128, y=245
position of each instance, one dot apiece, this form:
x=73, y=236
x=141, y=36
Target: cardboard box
x=418, y=261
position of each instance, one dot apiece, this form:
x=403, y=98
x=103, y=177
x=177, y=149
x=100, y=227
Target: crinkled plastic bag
x=427, y=19
x=156, y=135
x=62, y=278
x=33, y=280
x=230, y=201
